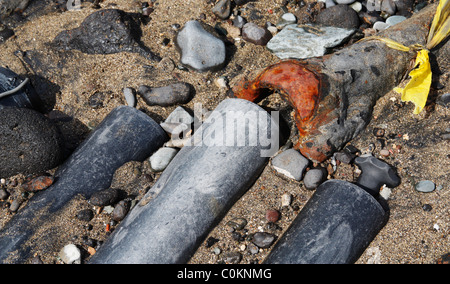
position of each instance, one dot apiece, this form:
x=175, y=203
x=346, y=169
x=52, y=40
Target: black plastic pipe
x=197, y=188
x=17, y=92
x=126, y=134
x=339, y=221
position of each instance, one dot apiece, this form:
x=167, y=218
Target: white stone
x=344, y=2
x=357, y=6
x=286, y=19
x=221, y=82
x=286, y=199
x=161, y=158
x=70, y=254
x=380, y=26
x=393, y=20
x=385, y=192
x=130, y=97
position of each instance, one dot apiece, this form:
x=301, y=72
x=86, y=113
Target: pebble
x=177, y=93
x=30, y=142
x=15, y=204
x=263, y=239
x=427, y=207
x=222, y=9
x=221, y=82
x=3, y=194
x=210, y=242
x=315, y=177
x=166, y=65
x=384, y=152
x=444, y=100
x=286, y=200
x=344, y=156
x=303, y=42
x=38, y=184
x=357, y=6
x=252, y=248
x=255, y=34
x=130, y=96
x=239, y=21
x=216, y=251
x=161, y=158
x=385, y=192
x=96, y=100
x=237, y=223
x=120, y=211
x=286, y=19
x=379, y=132
x=232, y=257
x=373, y=5
x=85, y=215
x=340, y=16
x=388, y=7
x=425, y=186
x=272, y=215
x=290, y=163
x=104, y=197
x=108, y=209
x=393, y=20
x=380, y=26
x=200, y=49
x=345, y=2
x=70, y=254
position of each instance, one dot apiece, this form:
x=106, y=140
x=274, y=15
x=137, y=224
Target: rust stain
x=301, y=87
x=38, y=184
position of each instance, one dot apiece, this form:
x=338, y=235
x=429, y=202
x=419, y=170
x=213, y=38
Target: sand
x=412, y=235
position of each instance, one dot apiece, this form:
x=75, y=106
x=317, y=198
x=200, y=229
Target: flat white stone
x=306, y=41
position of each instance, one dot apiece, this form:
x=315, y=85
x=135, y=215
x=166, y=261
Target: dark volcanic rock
x=29, y=143
x=177, y=93
x=106, y=32
x=340, y=16
x=104, y=197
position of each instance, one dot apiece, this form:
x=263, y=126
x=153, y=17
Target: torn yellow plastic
x=389, y=42
x=440, y=27
x=418, y=87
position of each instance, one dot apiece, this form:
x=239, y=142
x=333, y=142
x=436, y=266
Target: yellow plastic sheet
x=418, y=87
x=440, y=27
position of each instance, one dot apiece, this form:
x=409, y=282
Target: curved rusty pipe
x=300, y=85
